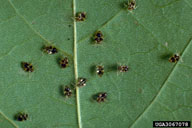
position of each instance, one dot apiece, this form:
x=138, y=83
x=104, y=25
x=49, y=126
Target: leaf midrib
x=76, y=66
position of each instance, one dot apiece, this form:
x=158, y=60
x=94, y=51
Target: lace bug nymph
x=174, y=59
x=80, y=16
x=131, y=5
x=50, y=50
x=21, y=117
x=101, y=97
x=67, y=91
x=98, y=37
x=64, y=62
x=123, y=68
x=28, y=67
x=100, y=70
x=81, y=82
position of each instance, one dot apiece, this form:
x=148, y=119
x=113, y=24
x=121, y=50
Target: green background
x=153, y=88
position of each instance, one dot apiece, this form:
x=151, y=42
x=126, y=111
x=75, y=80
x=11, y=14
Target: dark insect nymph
x=101, y=97
x=21, y=116
x=28, y=67
x=175, y=58
x=64, y=62
x=81, y=82
x=131, y=5
x=100, y=70
x=98, y=37
x=50, y=49
x=67, y=91
x=123, y=68
x=80, y=16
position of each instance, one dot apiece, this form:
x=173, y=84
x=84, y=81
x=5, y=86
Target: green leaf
x=153, y=88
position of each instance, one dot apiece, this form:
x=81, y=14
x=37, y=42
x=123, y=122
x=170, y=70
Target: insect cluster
x=98, y=37
x=64, y=62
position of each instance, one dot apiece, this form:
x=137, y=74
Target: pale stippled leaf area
x=143, y=39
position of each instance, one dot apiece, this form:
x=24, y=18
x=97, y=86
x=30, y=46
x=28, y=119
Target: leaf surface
x=144, y=39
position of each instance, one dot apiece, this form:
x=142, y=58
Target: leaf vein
x=12, y=49
x=149, y=32
x=1, y=113
x=6, y=20
x=76, y=67
x=188, y=3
